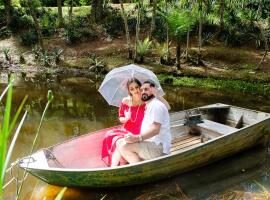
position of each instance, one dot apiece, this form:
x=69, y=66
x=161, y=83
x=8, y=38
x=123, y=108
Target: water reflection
x=78, y=108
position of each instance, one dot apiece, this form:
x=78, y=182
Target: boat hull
x=159, y=168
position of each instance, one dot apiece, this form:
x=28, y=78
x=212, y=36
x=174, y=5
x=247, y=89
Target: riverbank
x=225, y=69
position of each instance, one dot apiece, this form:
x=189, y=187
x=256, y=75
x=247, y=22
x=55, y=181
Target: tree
x=137, y=39
x=153, y=20
x=7, y=5
x=97, y=10
x=32, y=6
x=179, y=24
x=60, y=14
x=124, y=15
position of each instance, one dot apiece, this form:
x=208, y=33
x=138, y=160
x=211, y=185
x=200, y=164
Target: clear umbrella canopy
x=114, y=85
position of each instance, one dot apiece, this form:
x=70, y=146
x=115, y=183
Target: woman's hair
x=133, y=80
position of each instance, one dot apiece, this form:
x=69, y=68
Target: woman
x=131, y=114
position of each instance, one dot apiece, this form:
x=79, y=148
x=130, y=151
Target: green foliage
x=2, y=15
x=132, y=24
x=61, y=194
x=80, y=30
x=57, y=52
x=143, y=46
x=160, y=32
x=179, y=23
x=7, y=54
x=29, y=38
x=48, y=23
x=114, y=23
x=45, y=59
x=5, y=32
x=36, y=50
x=20, y=20
x=7, y=125
x=223, y=85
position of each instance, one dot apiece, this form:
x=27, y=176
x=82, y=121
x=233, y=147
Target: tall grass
x=6, y=128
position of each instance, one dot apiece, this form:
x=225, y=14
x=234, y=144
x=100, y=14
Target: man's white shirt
x=156, y=111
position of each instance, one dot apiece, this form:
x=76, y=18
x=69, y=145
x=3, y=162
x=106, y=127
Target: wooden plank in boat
x=217, y=127
x=182, y=137
x=185, y=140
x=185, y=148
x=175, y=148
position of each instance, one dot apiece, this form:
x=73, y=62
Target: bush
x=5, y=32
x=20, y=21
x=2, y=16
x=160, y=32
x=132, y=24
x=48, y=23
x=80, y=30
x=29, y=38
x=114, y=24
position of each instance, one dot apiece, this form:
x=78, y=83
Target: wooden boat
x=225, y=130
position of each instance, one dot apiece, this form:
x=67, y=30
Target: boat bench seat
x=185, y=141
x=216, y=127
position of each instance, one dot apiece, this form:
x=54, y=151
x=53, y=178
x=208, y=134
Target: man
x=155, y=137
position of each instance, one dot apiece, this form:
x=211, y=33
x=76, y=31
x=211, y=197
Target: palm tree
x=124, y=15
x=179, y=24
x=143, y=48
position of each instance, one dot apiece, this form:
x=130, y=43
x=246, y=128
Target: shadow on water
x=78, y=108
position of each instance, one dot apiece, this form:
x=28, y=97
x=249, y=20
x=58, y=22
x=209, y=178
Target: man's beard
x=146, y=97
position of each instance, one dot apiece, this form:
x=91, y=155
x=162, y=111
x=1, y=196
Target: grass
x=7, y=125
x=77, y=11
x=222, y=85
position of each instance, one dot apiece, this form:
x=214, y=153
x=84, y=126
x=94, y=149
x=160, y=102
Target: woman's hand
x=127, y=114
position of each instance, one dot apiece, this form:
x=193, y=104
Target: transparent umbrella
x=114, y=85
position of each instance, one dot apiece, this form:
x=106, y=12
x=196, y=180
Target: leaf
x=61, y=194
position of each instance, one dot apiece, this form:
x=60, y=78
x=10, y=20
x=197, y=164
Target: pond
x=78, y=108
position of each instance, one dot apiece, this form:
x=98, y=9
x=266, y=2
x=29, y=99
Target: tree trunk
x=37, y=26
x=70, y=11
x=137, y=29
x=167, y=34
x=187, y=48
x=200, y=33
x=266, y=48
x=153, y=21
x=178, y=54
x=97, y=12
x=127, y=30
x=60, y=14
x=221, y=16
x=7, y=5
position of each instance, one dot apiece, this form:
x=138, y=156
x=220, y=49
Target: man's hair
x=150, y=82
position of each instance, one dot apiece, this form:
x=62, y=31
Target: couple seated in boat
x=146, y=130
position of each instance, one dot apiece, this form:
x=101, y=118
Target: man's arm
x=150, y=132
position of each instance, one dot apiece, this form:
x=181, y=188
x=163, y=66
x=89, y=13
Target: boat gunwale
x=142, y=162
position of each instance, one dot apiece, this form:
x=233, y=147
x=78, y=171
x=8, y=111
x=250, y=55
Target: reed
x=49, y=100
x=6, y=127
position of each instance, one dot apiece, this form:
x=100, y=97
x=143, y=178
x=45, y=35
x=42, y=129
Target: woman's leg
x=116, y=157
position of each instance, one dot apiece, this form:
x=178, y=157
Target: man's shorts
x=149, y=150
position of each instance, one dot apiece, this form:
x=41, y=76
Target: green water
x=78, y=108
